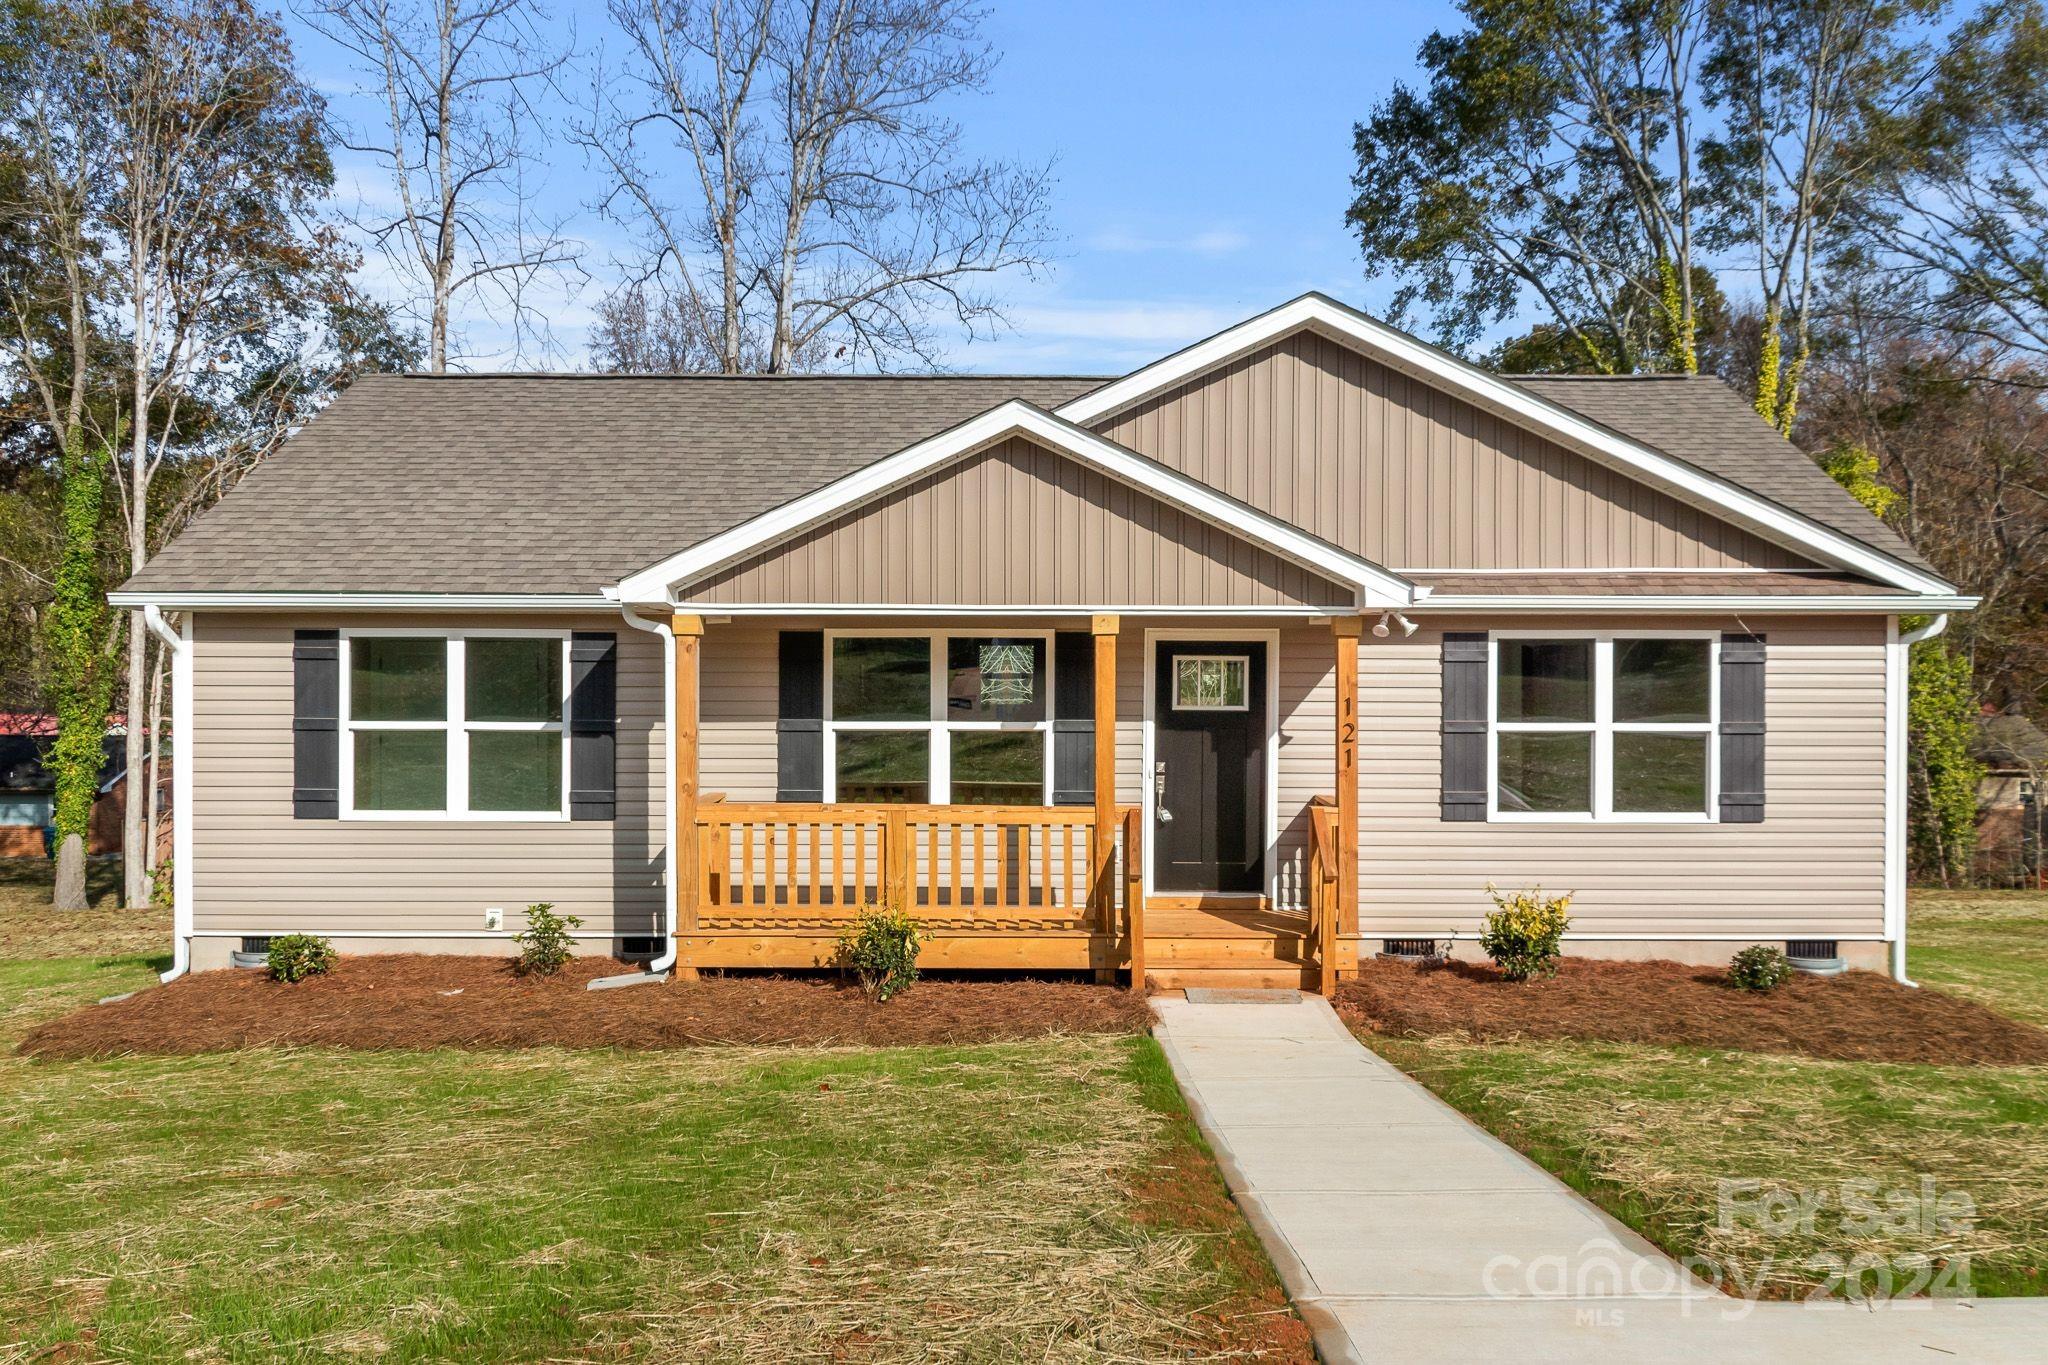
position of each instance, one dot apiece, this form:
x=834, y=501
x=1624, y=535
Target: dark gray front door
x=1209, y=766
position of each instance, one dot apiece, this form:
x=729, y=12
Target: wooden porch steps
x=1225, y=944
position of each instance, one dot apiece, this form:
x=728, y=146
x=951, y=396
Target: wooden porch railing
x=1325, y=859
x=958, y=866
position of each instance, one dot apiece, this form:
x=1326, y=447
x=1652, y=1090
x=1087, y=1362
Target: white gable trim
x=1469, y=381
x=658, y=582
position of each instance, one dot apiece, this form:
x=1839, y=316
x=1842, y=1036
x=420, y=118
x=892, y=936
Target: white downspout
x=1895, y=741
x=668, y=800
x=179, y=642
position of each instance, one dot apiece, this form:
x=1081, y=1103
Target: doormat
x=1245, y=995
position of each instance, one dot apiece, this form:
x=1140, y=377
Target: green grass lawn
x=1653, y=1133
x=1046, y=1199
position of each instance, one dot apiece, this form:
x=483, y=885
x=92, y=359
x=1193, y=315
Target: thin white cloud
x=1215, y=241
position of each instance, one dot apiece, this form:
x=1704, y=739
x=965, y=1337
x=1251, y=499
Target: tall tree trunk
x=134, y=877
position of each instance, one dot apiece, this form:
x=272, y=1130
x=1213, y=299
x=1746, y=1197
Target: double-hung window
x=1604, y=727
x=943, y=718
x=463, y=725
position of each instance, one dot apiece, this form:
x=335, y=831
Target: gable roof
x=1833, y=527
x=1375, y=586
x=1700, y=420
x=548, y=484
x=477, y=488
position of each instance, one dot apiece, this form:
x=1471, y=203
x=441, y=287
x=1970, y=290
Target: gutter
x=661, y=965
x=1903, y=645
x=179, y=642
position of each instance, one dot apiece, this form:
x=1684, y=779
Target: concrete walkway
x=1406, y=1233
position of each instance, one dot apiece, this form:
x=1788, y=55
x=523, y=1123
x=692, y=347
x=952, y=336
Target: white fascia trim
x=1377, y=587
x=1468, y=380
x=1535, y=602
x=1005, y=610
x=366, y=601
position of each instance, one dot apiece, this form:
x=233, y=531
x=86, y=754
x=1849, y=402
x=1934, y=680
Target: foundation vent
x=1411, y=947
x=1811, y=947
x=639, y=947
x=255, y=945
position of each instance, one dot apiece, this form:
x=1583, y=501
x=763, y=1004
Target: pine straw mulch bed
x=1858, y=1016
x=421, y=1001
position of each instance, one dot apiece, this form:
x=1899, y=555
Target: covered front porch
x=1069, y=882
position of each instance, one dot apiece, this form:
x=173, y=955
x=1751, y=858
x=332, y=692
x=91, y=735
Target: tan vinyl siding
x=1404, y=475
x=1018, y=524
x=256, y=869
x=1814, y=867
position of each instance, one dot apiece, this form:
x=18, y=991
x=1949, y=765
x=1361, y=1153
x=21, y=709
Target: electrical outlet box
x=494, y=918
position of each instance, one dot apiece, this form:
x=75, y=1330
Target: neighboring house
x=27, y=787
x=2014, y=753
x=1240, y=666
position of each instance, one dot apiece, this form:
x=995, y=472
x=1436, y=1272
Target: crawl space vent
x=1411, y=947
x=1811, y=948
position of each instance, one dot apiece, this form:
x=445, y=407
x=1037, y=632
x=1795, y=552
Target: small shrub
x=544, y=944
x=1759, y=968
x=1524, y=930
x=163, y=884
x=294, y=957
x=880, y=948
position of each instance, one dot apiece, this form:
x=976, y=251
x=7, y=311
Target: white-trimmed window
x=454, y=724
x=1615, y=726
x=942, y=718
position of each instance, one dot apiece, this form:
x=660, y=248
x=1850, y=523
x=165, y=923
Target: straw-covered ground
x=1042, y=1198
x=1786, y=1171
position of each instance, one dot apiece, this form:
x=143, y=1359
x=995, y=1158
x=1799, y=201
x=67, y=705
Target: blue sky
x=1203, y=162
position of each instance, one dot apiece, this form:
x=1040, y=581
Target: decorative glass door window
x=1211, y=682
x=455, y=725
x=943, y=718
x=1604, y=727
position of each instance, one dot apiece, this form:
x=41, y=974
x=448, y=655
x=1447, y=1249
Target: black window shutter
x=800, y=717
x=593, y=725
x=1742, y=729
x=316, y=725
x=1073, y=719
x=1463, y=793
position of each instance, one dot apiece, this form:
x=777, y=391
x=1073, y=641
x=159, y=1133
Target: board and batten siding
x=257, y=870
x=1405, y=475
x=1017, y=524
x=1813, y=868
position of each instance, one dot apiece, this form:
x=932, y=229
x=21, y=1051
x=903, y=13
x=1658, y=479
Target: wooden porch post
x=1102, y=838
x=1346, y=629
x=689, y=633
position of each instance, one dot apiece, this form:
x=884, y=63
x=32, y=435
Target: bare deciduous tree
x=216, y=164
x=827, y=211
x=456, y=79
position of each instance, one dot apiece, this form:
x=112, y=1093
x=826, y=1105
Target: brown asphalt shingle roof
x=1702, y=421
x=567, y=483
x=549, y=483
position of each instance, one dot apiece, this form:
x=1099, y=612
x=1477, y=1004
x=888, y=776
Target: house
x=1257, y=660
x=28, y=787
x=2014, y=753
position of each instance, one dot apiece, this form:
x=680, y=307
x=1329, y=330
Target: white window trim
x=455, y=724
x=1174, y=702
x=1603, y=728
x=936, y=725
